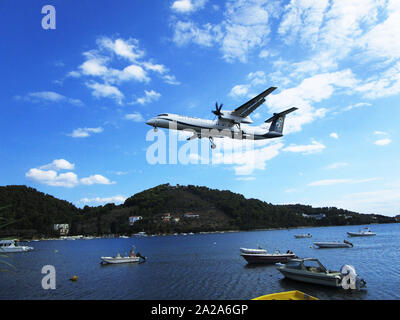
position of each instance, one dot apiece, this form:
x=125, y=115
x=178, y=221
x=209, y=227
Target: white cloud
x=85, y=132
x=334, y=135
x=136, y=117
x=314, y=147
x=264, y=54
x=245, y=27
x=94, y=66
x=357, y=105
x=155, y=67
x=171, y=80
x=105, y=90
x=336, y=165
x=128, y=49
x=245, y=156
x=97, y=200
x=330, y=182
x=187, y=31
x=104, y=68
x=257, y=78
x=96, y=179
x=149, y=97
x=52, y=178
x=303, y=19
x=246, y=178
x=48, y=175
x=58, y=164
x=383, y=201
x=309, y=92
x=132, y=72
x=383, y=142
x=187, y=6
x=239, y=90
x=48, y=97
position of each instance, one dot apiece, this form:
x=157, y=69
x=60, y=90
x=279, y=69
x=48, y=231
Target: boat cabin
x=7, y=243
x=308, y=264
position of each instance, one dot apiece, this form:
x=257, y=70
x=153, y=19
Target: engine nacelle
x=227, y=115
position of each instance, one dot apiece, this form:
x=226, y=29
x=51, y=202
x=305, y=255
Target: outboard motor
x=350, y=279
x=140, y=256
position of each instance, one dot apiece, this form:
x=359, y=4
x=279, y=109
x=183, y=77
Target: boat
x=119, y=259
x=268, y=258
x=311, y=270
x=344, y=244
x=300, y=236
x=132, y=257
x=362, y=233
x=253, y=251
x=8, y=246
x=141, y=234
x=287, y=295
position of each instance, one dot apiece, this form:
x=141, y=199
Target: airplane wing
x=245, y=109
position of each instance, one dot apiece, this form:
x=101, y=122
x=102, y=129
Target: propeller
x=217, y=110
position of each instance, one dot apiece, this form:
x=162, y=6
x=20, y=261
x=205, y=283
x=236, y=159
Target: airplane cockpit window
x=162, y=115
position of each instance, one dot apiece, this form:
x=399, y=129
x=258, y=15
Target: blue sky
x=74, y=99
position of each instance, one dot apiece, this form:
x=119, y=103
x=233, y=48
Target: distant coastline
x=162, y=210
x=112, y=236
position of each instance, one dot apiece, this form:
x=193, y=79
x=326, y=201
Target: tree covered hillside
x=164, y=209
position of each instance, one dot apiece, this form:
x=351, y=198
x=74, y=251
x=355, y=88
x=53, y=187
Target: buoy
x=74, y=278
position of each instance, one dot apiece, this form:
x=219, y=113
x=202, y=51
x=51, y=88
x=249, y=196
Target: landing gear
x=155, y=129
x=213, y=145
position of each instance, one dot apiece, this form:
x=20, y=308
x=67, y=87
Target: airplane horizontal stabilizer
x=280, y=114
x=278, y=120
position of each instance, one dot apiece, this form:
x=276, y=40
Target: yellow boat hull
x=288, y=295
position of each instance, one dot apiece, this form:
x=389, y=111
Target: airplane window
x=162, y=114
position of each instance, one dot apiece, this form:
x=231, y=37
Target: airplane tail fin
x=278, y=120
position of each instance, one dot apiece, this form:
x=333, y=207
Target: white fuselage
x=211, y=128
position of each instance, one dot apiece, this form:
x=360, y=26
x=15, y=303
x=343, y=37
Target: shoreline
x=112, y=236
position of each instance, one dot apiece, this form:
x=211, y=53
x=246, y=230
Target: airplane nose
x=151, y=122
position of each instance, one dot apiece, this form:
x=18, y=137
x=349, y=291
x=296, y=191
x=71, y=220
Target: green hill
x=34, y=213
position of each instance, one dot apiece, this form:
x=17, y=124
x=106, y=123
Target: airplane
x=232, y=124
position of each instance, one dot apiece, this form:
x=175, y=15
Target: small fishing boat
x=119, y=259
x=268, y=258
x=253, y=251
x=141, y=234
x=300, y=236
x=344, y=244
x=288, y=295
x=132, y=257
x=362, y=233
x=310, y=270
x=11, y=246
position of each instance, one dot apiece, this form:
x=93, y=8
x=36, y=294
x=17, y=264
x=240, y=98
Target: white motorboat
x=300, y=236
x=119, y=259
x=268, y=258
x=253, y=251
x=141, y=234
x=362, y=233
x=344, y=244
x=8, y=246
x=310, y=270
x=132, y=257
